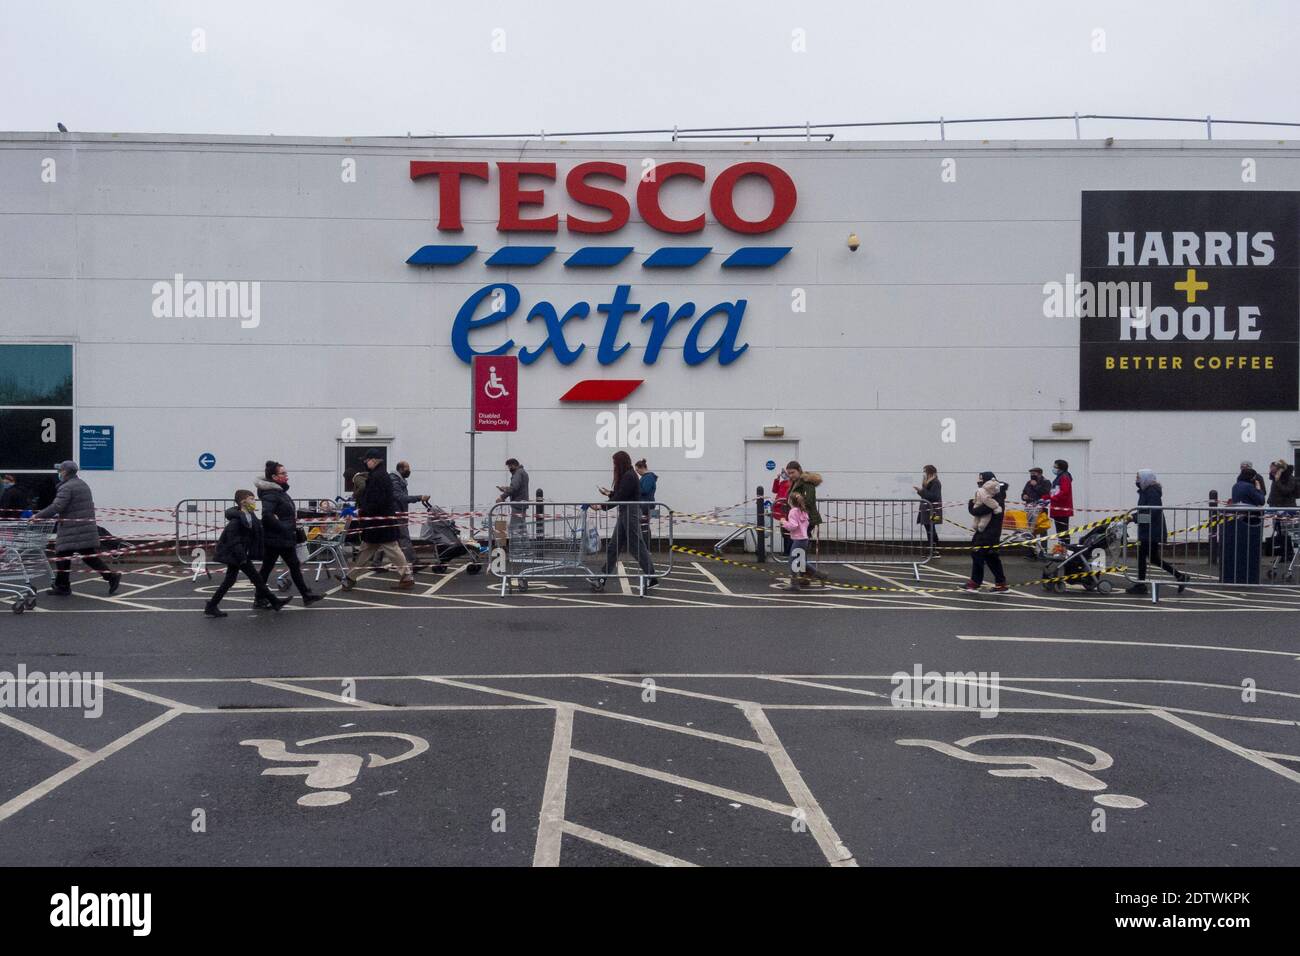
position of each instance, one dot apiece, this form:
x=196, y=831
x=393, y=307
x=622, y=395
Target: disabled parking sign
x=494, y=398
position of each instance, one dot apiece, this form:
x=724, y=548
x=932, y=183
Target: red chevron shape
x=602, y=390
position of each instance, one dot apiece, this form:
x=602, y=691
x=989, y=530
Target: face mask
x=1056, y=471
x=406, y=473
x=250, y=504
x=8, y=485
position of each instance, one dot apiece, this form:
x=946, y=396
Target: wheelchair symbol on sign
x=494, y=387
x=1067, y=771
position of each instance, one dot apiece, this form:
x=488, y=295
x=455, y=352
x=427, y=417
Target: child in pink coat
x=795, y=523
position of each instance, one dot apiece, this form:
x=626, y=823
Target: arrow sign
x=207, y=461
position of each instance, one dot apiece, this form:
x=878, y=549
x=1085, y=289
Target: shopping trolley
x=556, y=550
x=23, y=559
x=326, y=540
x=1286, y=544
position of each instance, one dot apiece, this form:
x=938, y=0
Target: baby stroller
x=1090, y=557
x=441, y=531
x=1286, y=546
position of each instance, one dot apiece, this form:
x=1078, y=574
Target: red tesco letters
x=578, y=183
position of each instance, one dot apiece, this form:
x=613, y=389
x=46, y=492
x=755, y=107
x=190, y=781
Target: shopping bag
x=1015, y=520
x=591, y=544
x=1043, y=524
x=301, y=551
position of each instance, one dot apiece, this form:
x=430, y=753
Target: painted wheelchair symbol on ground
x=1067, y=771
x=329, y=772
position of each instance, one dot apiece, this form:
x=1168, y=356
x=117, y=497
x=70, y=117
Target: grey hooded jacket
x=75, y=508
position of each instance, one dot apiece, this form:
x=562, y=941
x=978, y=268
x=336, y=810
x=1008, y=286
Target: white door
x=763, y=462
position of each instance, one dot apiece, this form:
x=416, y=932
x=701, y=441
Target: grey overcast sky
x=384, y=67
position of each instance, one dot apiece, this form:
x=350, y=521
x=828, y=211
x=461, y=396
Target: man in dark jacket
x=379, y=532
x=13, y=499
x=988, y=507
x=240, y=544
x=402, y=495
x=1150, y=518
x=74, y=506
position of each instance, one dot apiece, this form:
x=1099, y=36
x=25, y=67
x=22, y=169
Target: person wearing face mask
x=1151, y=531
x=74, y=506
x=240, y=544
x=13, y=500
x=988, y=508
x=1060, y=506
x=404, y=499
x=280, y=532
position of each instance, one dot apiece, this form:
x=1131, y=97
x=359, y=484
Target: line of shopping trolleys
x=23, y=560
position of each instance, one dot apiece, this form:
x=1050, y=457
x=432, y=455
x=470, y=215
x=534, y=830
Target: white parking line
x=550, y=819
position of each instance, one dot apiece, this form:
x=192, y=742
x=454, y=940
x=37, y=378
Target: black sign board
x=1221, y=329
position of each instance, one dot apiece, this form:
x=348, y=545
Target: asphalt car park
x=719, y=720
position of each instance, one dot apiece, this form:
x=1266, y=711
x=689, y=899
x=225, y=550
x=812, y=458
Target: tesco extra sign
x=600, y=198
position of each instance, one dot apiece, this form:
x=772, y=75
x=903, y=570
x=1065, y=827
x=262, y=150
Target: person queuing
x=805, y=485
x=13, y=500
x=241, y=543
x=516, y=490
x=781, y=504
x=1151, y=531
x=379, y=532
x=402, y=495
x=74, y=506
x=930, y=513
x=1242, y=530
x=1061, y=499
x=280, y=533
x=627, y=526
x=988, y=507
x=1282, y=493
x=1036, y=497
x=649, y=486
x=794, y=525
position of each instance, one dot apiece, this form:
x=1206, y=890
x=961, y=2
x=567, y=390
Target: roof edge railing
x=826, y=131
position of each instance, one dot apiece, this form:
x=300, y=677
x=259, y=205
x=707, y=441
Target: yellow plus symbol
x=1191, y=286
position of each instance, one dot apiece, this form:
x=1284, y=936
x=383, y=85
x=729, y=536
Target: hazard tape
x=847, y=586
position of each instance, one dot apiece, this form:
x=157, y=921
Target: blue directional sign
x=96, y=448
x=207, y=461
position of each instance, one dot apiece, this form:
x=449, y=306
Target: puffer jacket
x=74, y=506
x=1062, y=496
x=989, y=509
x=1282, y=493
x=807, y=485
x=401, y=492
x=242, y=538
x=1152, y=499
x=279, y=515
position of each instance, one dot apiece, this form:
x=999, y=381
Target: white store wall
x=937, y=316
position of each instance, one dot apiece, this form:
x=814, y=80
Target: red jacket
x=1062, y=497
x=780, y=497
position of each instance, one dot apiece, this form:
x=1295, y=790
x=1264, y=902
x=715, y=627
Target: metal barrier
x=580, y=540
x=1213, y=546
x=872, y=531
x=200, y=521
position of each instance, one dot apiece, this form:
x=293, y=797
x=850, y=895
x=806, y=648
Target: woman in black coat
x=240, y=544
x=627, y=528
x=1151, y=531
x=1242, y=529
x=280, y=528
x=930, y=512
